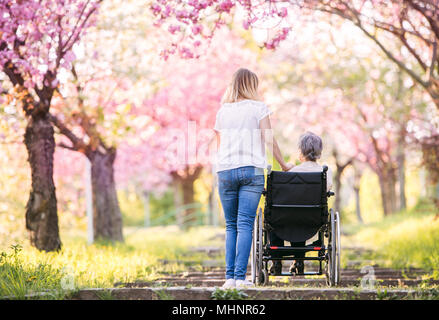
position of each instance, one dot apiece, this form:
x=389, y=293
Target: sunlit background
x=327, y=77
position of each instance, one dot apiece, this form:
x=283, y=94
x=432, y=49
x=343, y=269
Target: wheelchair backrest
x=296, y=204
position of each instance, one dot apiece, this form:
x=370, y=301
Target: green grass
x=19, y=279
x=403, y=240
x=407, y=239
x=24, y=271
x=229, y=294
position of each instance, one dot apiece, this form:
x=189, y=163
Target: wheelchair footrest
x=293, y=250
x=268, y=258
x=289, y=274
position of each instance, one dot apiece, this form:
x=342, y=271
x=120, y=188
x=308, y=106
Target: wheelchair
x=296, y=210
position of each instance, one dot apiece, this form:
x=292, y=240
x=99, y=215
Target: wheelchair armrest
x=330, y=194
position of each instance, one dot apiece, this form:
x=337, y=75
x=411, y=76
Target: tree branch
x=433, y=61
x=412, y=51
x=77, y=143
x=431, y=19
x=63, y=145
x=393, y=58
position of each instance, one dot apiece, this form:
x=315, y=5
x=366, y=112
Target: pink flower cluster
x=37, y=36
x=196, y=21
x=225, y=6
x=274, y=43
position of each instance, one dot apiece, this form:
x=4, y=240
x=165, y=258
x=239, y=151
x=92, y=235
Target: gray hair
x=310, y=146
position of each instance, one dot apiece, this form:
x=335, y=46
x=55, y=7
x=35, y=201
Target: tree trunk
x=178, y=202
x=337, y=185
x=357, y=180
x=357, y=205
x=187, y=187
x=391, y=185
x=213, y=205
x=107, y=218
x=184, y=182
x=337, y=178
x=387, y=180
x=401, y=174
x=41, y=208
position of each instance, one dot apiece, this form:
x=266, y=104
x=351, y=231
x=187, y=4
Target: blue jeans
x=240, y=190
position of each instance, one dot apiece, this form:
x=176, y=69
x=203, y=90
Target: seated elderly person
x=310, y=147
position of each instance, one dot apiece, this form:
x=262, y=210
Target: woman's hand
x=287, y=166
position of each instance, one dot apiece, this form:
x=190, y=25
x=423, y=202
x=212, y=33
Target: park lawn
x=403, y=240
x=25, y=270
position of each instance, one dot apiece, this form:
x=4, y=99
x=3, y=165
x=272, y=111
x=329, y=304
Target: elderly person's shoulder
x=307, y=166
x=311, y=166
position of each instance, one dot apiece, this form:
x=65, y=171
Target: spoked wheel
x=254, y=259
x=338, y=252
x=333, y=259
x=259, y=272
x=264, y=277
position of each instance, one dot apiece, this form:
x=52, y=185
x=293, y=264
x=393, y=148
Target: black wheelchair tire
x=259, y=275
x=338, y=249
x=331, y=265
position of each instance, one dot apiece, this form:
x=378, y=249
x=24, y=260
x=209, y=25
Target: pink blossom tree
x=406, y=31
x=184, y=111
x=36, y=42
x=95, y=109
x=91, y=115
x=412, y=24
x=357, y=99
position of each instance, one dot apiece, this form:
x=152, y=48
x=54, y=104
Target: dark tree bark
x=430, y=155
x=41, y=209
x=357, y=205
x=107, y=218
x=357, y=180
x=187, y=187
x=340, y=167
x=401, y=173
x=213, y=203
x=185, y=182
x=178, y=202
x=387, y=180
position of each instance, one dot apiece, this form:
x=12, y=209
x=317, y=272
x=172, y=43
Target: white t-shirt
x=241, y=141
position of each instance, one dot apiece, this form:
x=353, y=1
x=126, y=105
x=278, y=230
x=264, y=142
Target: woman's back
x=241, y=143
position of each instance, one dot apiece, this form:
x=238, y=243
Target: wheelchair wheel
x=338, y=252
x=254, y=260
x=265, y=278
x=261, y=274
x=333, y=262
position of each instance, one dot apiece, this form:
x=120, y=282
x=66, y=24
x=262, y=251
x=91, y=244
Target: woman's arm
x=270, y=141
x=218, y=139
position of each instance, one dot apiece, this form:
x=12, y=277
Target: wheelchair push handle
x=330, y=193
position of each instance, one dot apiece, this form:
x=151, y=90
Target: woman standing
x=243, y=128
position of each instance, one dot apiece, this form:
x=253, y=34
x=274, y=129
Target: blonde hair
x=244, y=85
